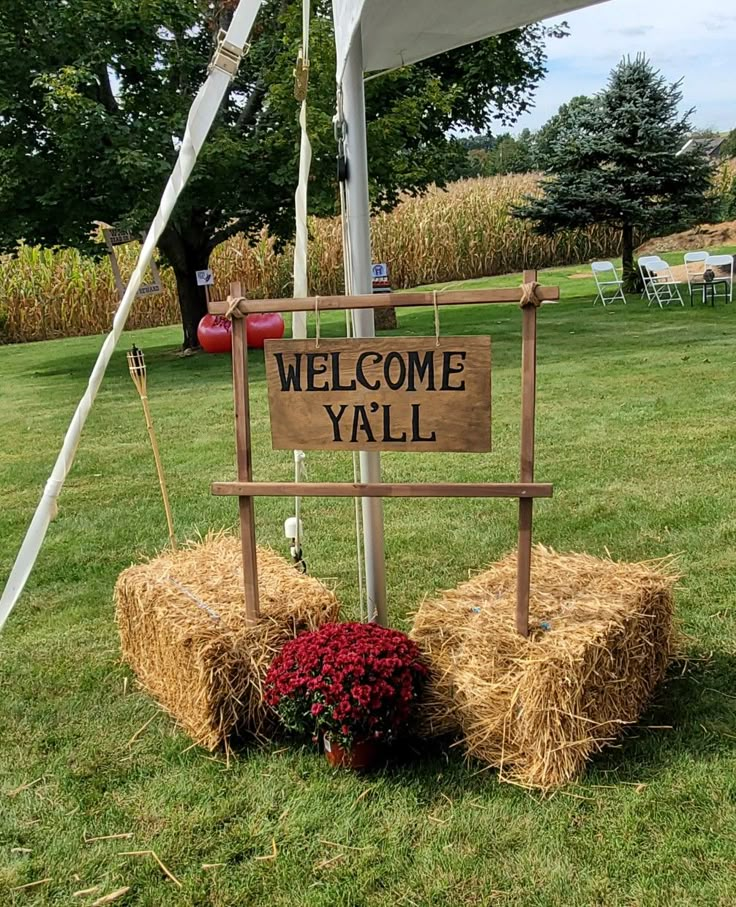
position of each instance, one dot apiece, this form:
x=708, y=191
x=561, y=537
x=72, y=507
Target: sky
x=690, y=39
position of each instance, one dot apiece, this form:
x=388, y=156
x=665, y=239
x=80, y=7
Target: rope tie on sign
x=435, y=303
x=233, y=307
x=529, y=295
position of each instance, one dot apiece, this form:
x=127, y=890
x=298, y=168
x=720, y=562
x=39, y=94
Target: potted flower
x=352, y=684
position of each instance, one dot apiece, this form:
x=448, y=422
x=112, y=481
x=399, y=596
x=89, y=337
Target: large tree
x=613, y=159
x=94, y=95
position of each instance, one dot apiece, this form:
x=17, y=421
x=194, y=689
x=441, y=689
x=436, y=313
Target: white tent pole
x=359, y=231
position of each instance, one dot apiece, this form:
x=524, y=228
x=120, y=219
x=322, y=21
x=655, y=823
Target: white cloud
x=687, y=40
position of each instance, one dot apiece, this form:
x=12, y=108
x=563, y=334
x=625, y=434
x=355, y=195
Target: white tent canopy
x=398, y=32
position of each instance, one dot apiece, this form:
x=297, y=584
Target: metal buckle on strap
x=301, y=77
x=227, y=56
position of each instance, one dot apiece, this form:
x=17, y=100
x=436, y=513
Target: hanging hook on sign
x=316, y=322
x=436, y=317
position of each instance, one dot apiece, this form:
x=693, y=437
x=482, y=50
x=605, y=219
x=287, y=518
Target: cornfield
x=464, y=232
x=468, y=231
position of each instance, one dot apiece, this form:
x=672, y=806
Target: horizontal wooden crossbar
x=384, y=489
x=383, y=301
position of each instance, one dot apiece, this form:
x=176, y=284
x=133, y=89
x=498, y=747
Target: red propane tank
x=269, y=326
x=215, y=334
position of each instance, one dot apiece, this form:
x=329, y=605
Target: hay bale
x=182, y=629
x=538, y=708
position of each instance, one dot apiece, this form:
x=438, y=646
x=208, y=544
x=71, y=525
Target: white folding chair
x=694, y=269
x=609, y=285
x=647, y=275
x=660, y=285
x=724, y=274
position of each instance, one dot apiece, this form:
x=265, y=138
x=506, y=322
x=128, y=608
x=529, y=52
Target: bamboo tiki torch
x=137, y=367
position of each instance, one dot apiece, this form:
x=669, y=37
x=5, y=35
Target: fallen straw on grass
x=32, y=884
x=116, y=837
x=152, y=853
x=269, y=856
x=27, y=786
x=112, y=896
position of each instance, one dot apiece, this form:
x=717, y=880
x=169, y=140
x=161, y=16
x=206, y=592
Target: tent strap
x=201, y=116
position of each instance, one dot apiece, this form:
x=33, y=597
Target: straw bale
x=182, y=627
x=537, y=708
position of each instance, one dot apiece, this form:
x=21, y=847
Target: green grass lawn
x=635, y=430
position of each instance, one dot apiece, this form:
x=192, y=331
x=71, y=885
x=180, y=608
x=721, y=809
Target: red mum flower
x=352, y=680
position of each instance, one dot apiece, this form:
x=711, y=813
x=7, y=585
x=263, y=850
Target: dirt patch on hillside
x=703, y=237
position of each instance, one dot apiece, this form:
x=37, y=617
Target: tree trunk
x=386, y=319
x=186, y=258
x=631, y=277
x=192, y=299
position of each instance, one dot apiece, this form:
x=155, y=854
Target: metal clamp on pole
x=338, y=125
x=227, y=56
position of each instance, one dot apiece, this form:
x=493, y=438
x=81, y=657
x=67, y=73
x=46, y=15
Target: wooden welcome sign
x=398, y=393
x=384, y=394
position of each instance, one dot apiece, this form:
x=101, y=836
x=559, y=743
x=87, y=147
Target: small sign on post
x=401, y=393
x=205, y=278
x=381, y=282
x=120, y=237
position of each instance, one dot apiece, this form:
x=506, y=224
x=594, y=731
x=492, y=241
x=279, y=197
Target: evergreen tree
x=613, y=159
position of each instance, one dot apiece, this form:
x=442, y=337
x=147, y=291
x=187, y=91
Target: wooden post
x=119, y=283
x=246, y=503
x=526, y=505
x=159, y=472
x=525, y=490
x=137, y=369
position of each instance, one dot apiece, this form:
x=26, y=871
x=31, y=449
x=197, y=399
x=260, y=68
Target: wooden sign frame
x=114, y=237
x=246, y=490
